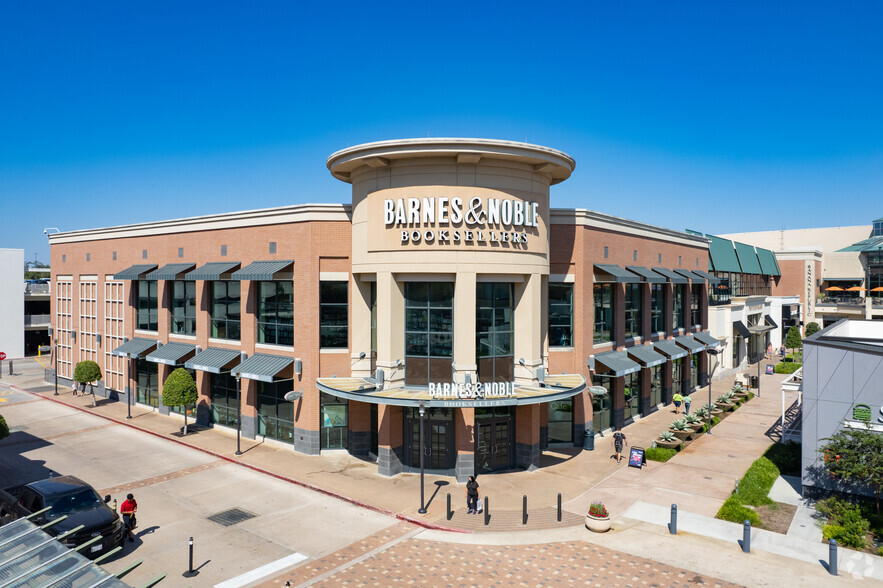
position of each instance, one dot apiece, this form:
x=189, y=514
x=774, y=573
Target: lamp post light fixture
x=422, y=509
x=715, y=352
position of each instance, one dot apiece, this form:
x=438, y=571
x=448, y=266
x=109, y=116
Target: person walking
x=677, y=399
x=128, y=509
x=687, y=400
x=472, y=496
x=618, y=441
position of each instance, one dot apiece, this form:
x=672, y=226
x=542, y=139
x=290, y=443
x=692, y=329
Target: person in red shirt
x=128, y=509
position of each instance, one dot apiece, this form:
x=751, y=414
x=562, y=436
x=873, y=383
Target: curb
x=354, y=502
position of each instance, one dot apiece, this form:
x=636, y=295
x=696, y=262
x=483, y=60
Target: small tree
x=812, y=329
x=792, y=339
x=4, y=428
x=856, y=456
x=88, y=372
x=179, y=390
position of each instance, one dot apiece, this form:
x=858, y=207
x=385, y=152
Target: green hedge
x=756, y=483
x=659, y=453
x=786, y=457
x=4, y=428
x=734, y=512
x=787, y=368
x=845, y=522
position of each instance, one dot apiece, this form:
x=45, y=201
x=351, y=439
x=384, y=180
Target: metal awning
x=617, y=364
x=711, y=279
x=743, y=330
x=554, y=387
x=216, y=270
x=722, y=255
x=670, y=275
x=135, y=272
x=670, y=349
x=767, y=261
x=769, y=320
x=170, y=271
x=262, y=270
x=135, y=348
x=646, y=274
x=691, y=275
x=613, y=273
x=645, y=355
x=171, y=353
x=707, y=339
x=760, y=329
x=213, y=360
x=747, y=258
x=262, y=367
x=688, y=342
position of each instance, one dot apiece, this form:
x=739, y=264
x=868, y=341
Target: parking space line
x=263, y=571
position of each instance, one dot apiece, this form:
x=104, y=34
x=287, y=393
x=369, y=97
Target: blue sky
x=717, y=116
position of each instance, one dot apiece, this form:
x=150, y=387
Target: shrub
x=757, y=481
x=786, y=457
x=750, y=395
x=723, y=398
x=659, y=453
x=812, y=328
x=734, y=512
x=701, y=412
x=787, y=368
x=4, y=428
x=692, y=419
x=714, y=421
x=880, y=551
x=679, y=425
x=852, y=533
x=597, y=509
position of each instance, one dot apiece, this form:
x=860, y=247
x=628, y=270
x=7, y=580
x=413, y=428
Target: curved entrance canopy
x=366, y=390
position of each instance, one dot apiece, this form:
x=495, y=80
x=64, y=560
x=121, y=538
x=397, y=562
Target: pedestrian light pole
x=132, y=389
x=238, y=377
x=422, y=509
x=55, y=362
x=715, y=353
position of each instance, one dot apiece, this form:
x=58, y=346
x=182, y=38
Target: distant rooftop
x=862, y=335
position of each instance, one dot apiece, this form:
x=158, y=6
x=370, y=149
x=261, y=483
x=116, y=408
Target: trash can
x=754, y=382
x=589, y=440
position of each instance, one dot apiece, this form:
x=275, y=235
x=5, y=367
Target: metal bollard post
x=746, y=537
x=673, y=525
x=832, y=557
x=487, y=512
x=449, y=513
x=190, y=571
x=10, y=367
x=524, y=509
x=559, y=507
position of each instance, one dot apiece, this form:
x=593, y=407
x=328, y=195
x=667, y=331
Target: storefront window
x=634, y=316
x=333, y=309
x=561, y=421
x=560, y=315
x=603, y=313
x=276, y=313
x=694, y=372
x=494, y=342
x=275, y=414
x=429, y=332
x=695, y=305
x=334, y=422
x=225, y=310
x=601, y=417
x=222, y=392
x=147, y=374
x=656, y=385
x=632, y=393
x=677, y=309
x=677, y=376
x=657, y=308
x=148, y=311
x=184, y=307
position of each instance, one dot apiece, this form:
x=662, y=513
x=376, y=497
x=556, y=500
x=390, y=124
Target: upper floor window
x=878, y=228
x=657, y=308
x=226, y=310
x=276, y=313
x=603, y=294
x=560, y=315
x=677, y=309
x=634, y=317
x=695, y=305
x=333, y=308
x=147, y=307
x=429, y=332
x=184, y=307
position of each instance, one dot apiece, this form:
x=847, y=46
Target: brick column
x=617, y=403
x=667, y=383
x=464, y=435
x=644, y=400
x=248, y=392
x=203, y=400
x=582, y=418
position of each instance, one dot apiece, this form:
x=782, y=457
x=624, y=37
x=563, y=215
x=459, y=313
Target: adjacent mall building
x=448, y=287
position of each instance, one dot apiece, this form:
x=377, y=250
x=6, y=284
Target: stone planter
x=682, y=435
x=673, y=444
x=725, y=406
x=597, y=524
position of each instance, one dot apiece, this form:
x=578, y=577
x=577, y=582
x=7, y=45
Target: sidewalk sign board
x=770, y=370
x=636, y=457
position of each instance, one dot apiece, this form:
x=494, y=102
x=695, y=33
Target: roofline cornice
x=591, y=218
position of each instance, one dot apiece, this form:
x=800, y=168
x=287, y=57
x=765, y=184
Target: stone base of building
x=465, y=466
x=389, y=461
x=307, y=441
x=527, y=456
x=249, y=427
x=359, y=443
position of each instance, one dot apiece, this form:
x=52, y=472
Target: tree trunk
x=92, y=390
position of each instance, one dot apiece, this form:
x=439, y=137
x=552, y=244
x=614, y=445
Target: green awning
x=261, y=367
x=670, y=349
x=135, y=348
x=646, y=274
x=707, y=339
x=171, y=353
x=670, y=275
x=645, y=355
x=743, y=330
x=747, y=259
x=693, y=276
x=614, y=273
x=262, y=270
x=171, y=271
x=688, y=342
x=135, y=272
x=722, y=255
x=616, y=364
x=213, y=360
x=767, y=262
x=711, y=279
x=216, y=270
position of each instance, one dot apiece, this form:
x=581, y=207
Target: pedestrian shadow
x=147, y=531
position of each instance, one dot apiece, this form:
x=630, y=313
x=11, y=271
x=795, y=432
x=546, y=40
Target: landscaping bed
x=776, y=517
x=853, y=523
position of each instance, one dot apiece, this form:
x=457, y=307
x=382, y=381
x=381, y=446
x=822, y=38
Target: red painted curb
x=371, y=507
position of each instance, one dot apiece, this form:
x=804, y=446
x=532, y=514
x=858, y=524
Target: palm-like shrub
x=679, y=425
x=692, y=419
x=666, y=436
x=701, y=412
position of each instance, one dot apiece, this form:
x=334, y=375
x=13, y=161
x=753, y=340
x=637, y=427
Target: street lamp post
x=422, y=509
x=132, y=389
x=715, y=353
x=55, y=359
x=238, y=415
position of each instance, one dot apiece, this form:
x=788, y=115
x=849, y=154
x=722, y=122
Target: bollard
x=673, y=525
x=487, y=512
x=10, y=367
x=832, y=557
x=524, y=509
x=559, y=507
x=190, y=571
x=746, y=537
x=449, y=513
x=114, y=505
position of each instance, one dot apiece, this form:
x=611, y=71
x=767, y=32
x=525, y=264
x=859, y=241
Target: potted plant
x=598, y=519
x=680, y=429
x=739, y=392
x=693, y=421
x=725, y=401
x=715, y=410
x=702, y=413
x=668, y=440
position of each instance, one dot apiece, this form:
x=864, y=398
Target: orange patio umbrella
x=833, y=289
x=877, y=289
x=855, y=289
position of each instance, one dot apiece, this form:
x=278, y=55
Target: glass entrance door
x=438, y=439
x=494, y=439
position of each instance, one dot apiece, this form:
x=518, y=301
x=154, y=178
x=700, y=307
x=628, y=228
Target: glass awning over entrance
x=457, y=396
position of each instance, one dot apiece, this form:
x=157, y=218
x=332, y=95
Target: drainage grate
x=231, y=517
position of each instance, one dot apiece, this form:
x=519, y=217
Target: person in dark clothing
x=472, y=496
x=618, y=441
